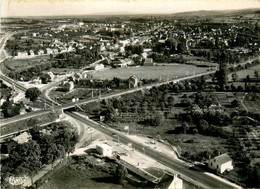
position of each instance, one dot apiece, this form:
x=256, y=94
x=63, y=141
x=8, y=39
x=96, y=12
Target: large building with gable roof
x=221, y=163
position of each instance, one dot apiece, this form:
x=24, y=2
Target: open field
x=79, y=174
x=252, y=106
x=243, y=73
x=21, y=64
x=150, y=72
x=25, y=124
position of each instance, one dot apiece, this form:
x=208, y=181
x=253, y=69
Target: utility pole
x=92, y=94
x=44, y=104
x=99, y=94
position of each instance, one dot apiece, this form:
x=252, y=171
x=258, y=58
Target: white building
x=71, y=85
x=40, y=52
x=49, y=51
x=133, y=81
x=99, y=67
x=21, y=55
x=31, y=53
x=51, y=75
x=36, y=80
x=169, y=181
x=221, y=163
x=176, y=183
x=104, y=149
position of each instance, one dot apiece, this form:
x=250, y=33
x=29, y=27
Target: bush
x=235, y=103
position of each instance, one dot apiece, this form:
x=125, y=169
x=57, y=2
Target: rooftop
x=223, y=158
x=22, y=138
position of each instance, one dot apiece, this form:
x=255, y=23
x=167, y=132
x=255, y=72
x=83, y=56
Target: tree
x=116, y=81
x=234, y=77
x=184, y=128
x=45, y=78
x=9, y=109
x=25, y=158
x=33, y=93
x=121, y=173
x=221, y=75
x=203, y=126
x=248, y=78
x=256, y=74
x=234, y=103
x=170, y=101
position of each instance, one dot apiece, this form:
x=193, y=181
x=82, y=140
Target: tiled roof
x=223, y=158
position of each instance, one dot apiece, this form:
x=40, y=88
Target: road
x=200, y=177
x=2, y=45
x=73, y=104
x=49, y=102
x=183, y=169
x=70, y=105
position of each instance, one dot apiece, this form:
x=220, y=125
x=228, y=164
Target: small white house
x=99, y=67
x=104, y=149
x=21, y=55
x=71, y=85
x=221, y=163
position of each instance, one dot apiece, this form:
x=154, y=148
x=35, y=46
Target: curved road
x=200, y=177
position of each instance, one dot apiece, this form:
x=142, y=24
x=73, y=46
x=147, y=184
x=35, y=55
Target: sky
x=14, y=8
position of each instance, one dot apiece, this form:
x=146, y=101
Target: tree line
x=43, y=148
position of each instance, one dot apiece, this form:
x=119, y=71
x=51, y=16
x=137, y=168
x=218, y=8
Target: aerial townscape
x=131, y=100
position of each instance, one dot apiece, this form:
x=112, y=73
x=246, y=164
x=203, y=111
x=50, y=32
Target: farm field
x=150, y=72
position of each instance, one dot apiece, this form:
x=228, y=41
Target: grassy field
x=79, y=174
x=150, y=72
x=21, y=64
x=252, y=106
x=25, y=124
x=243, y=73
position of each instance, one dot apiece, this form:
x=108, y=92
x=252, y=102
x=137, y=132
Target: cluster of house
x=55, y=47
x=38, y=80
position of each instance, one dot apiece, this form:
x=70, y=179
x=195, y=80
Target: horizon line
x=130, y=13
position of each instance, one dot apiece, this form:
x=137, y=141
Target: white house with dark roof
x=221, y=163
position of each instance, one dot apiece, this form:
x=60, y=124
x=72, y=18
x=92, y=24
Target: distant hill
x=204, y=13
